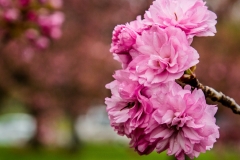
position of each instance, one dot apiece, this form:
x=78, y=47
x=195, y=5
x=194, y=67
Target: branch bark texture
x=211, y=93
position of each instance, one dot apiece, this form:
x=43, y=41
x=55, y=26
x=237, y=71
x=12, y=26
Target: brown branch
x=211, y=93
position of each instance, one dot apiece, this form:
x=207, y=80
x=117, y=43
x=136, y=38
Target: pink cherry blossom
x=124, y=37
x=192, y=16
x=138, y=25
x=161, y=55
x=147, y=105
x=129, y=107
x=122, y=40
x=182, y=123
x=140, y=141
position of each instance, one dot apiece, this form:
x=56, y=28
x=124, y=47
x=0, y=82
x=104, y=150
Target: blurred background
x=52, y=99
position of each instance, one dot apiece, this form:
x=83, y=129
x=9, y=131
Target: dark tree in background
x=70, y=76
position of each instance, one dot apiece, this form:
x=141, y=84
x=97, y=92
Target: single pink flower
x=182, y=123
x=129, y=107
x=124, y=37
x=122, y=40
x=161, y=55
x=191, y=16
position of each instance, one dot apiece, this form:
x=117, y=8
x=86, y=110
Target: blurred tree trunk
x=36, y=141
x=42, y=129
x=46, y=126
x=75, y=142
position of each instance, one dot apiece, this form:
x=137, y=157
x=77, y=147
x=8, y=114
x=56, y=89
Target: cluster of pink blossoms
x=147, y=105
x=38, y=21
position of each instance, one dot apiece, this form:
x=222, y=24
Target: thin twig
x=211, y=93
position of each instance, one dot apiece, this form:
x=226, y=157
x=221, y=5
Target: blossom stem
x=211, y=93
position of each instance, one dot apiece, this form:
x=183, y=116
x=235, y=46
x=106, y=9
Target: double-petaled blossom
x=123, y=39
x=147, y=105
x=180, y=120
x=182, y=123
x=161, y=55
x=129, y=106
x=191, y=16
x=138, y=25
x=124, y=36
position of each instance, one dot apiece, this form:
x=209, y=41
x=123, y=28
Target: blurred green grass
x=106, y=151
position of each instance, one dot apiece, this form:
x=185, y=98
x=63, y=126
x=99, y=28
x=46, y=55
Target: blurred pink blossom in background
x=18, y=17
